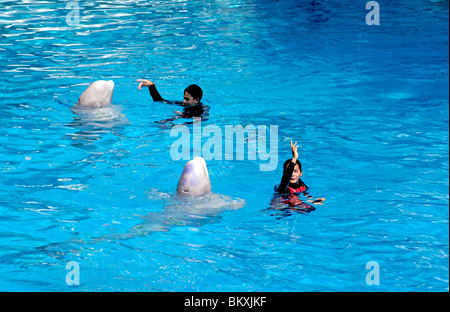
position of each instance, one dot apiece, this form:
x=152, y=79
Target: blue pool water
x=369, y=106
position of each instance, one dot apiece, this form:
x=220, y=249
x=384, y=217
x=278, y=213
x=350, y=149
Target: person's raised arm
x=151, y=88
x=294, y=152
x=287, y=173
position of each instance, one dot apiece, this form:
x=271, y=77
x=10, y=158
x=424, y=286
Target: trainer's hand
x=144, y=83
x=294, y=148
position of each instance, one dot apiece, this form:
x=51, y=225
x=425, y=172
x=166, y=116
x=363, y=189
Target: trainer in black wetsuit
x=192, y=107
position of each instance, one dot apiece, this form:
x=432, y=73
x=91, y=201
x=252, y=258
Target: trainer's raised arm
x=294, y=148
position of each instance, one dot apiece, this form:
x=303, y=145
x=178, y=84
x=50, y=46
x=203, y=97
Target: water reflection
x=92, y=124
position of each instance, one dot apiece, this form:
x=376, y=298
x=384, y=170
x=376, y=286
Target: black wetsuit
x=198, y=110
x=285, y=186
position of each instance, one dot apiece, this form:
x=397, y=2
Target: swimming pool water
x=368, y=105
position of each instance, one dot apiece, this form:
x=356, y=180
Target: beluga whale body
x=194, y=203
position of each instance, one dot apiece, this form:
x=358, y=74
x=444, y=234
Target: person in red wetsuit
x=291, y=185
x=292, y=172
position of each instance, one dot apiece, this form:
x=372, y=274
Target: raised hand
x=294, y=148
x=144, y=83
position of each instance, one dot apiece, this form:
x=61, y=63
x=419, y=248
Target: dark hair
x=286, y=163
x=195, y=91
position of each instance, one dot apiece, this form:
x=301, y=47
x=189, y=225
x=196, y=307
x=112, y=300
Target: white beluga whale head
x=98, y=95
x=194, y=180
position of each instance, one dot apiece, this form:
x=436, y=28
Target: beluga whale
x=194, y=192
x=99, y=94
x=193, y=205
x=194, y=180
x=95, y=102
x=95, y=114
